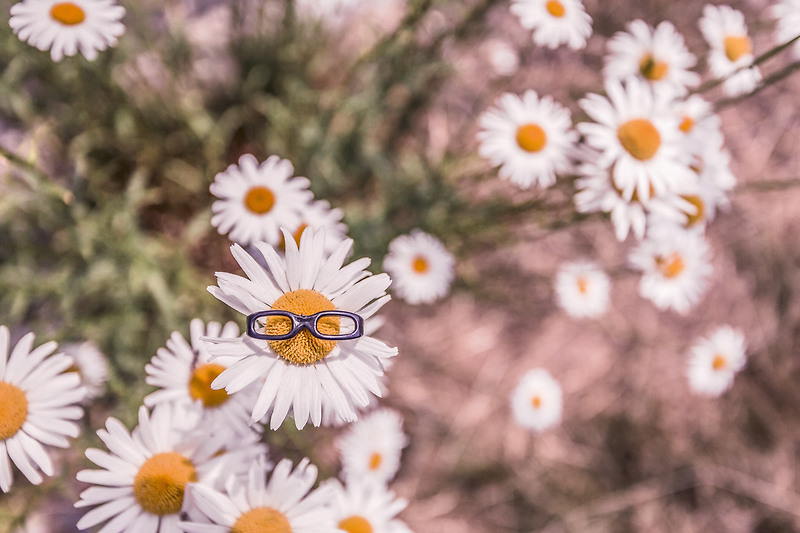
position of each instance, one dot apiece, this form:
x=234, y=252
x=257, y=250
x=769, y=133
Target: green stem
x=772, y=79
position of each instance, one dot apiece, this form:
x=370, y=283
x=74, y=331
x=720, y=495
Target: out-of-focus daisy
x=304, y=373
x=675, y=266
x=582, y=289
x=65, y=28
x=731, y=49
x=370, y=449
x=537, y=401
x=638, y=139
x=90, y=364
x=364, y=507
x=420, y=266
x=787, y=15
x=37, y=406
x=256, y=199
x=502, y=56
x=658, y=56
x=698, y=122
x=281, y=502
x=142, y=482
x=530, y=138
x=318, y=215
x=183, y=372
x=555, y=22
x=715, y=360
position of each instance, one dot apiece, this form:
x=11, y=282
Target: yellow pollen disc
x=555, y=8
x=67, y=13
x=536, y=402
x=160, y=482
x=375, y=461
x=200, y=385
x=686, y=124
x=719, y=362
x=531, y=137
x=583, y=285
x=696, y=201
x=259, y=200
x=303, y=348
x=420, y=265
x=737, y=45
x=13, y=410
x=262, y=520
x=671, y=266
x=355, y=524
x=651, y=69
x=640, y=138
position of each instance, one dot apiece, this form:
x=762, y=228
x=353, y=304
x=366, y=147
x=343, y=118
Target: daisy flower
x=582, y=289
x=184, y=372
x=731, y=49
x=421, y=267
x=676, y=267
x=529, y=137
x=554, y=22
x=281, y=501
x=67, y=27
x=303, y=373
x=787, y=14
x=319, y=215
x=537, y=402
x=638, y=139
x=141, y=486
x=715, y=360
x=38, y=400
x=256, y=199
x=658, y=57
x=362, y=507
x=698, y=122
x=370, y=449
x=90, y=364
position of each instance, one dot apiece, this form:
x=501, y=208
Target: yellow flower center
x=536, y=402
x=356, y=524
x=531, y=137
x=671, y=266
x=160, y=483
x=696, y=201
x=259, y=200
x=583, y=285
x=420, y=265
x=651, y=69
x=375, y=461
x=719, y=362
x=686, y=124
x=640, y=138
x=262, y=520
x=200, y=385
x=67, y=13
x=13, y=410
x=736, y=46
x=303, y=348
x=555, y=8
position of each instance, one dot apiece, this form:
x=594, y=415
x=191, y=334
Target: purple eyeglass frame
x=308, y=323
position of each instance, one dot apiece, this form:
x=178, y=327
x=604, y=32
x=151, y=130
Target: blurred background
x=105, y=235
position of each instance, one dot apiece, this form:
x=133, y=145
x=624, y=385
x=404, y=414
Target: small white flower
x=90, y=364
x=530, y=138
x=65, y=28
x=582, y=289
x=38, y=405
x=787, y=15
x=420, y=266
x=637, y=137
x=715, y=360
x=537, y=401
x=281, y=501
x=675, y=265
x=731, y=49
x=257, y=199
x=555, y=22
x=370, y=448
x=365, y=507
x=502, y=56
x=658, y=57
x=319, y=215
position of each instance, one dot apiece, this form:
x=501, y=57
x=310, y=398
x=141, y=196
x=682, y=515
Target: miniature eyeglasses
x=349, y=325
